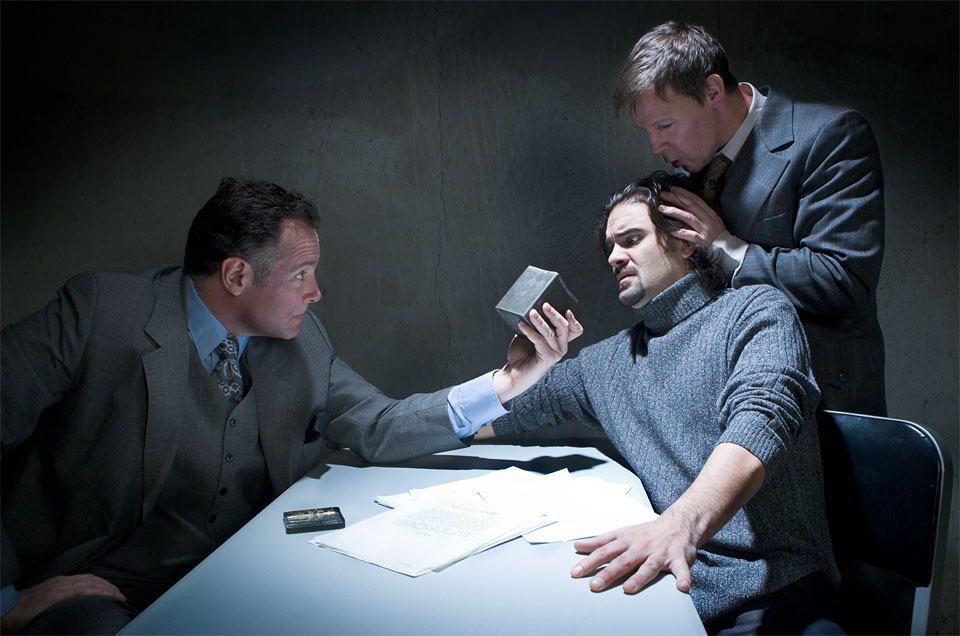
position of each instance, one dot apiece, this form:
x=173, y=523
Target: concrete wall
x=447, y=146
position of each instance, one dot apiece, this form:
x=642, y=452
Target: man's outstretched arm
x=731, y=476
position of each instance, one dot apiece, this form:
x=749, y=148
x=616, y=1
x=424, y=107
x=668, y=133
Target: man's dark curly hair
x=647, y=191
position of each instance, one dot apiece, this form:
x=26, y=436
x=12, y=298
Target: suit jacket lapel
x=755, y=173
x=165, y=370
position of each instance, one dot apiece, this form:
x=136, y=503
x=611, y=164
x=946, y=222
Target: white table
x=264, y=581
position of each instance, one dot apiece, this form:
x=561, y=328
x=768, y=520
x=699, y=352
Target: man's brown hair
x=673, y=54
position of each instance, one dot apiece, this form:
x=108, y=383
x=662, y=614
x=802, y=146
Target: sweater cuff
x=752, y=431
x=506, y=426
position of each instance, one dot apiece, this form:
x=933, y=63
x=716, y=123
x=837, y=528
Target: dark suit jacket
x=93, y=406
x=806, y=191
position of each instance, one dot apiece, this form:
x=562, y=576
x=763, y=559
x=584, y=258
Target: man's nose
x=617, y=257
x=657, y=144
x=313, y=294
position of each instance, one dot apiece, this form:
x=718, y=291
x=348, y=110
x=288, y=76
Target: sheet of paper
x=582, y=517
x=581, y=506
x=429, y=535
x=508, y=479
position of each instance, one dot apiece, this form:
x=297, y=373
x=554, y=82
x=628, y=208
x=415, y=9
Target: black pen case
x=313, y=520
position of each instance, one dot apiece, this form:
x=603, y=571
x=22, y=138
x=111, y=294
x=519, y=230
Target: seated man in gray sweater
x=711, y=400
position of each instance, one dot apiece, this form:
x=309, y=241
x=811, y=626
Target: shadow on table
x=544, y=464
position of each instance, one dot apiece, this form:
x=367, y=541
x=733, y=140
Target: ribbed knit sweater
x=706, y=367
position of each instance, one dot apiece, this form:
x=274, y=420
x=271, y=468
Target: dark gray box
x=534, y=287
x=313, y=520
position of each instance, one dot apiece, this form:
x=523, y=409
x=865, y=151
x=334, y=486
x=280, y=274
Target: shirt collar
x=732, y=148
x=205, y=330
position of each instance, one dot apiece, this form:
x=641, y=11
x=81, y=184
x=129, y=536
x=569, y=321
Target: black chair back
x=887, y=489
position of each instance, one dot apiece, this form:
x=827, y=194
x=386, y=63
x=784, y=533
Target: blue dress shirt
x=206, y=332
x=9, y=596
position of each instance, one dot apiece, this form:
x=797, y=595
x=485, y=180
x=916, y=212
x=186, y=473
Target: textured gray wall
x=447, y=146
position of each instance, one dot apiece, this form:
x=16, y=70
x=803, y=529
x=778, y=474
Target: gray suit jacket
x=93, y=406
x=806, y=191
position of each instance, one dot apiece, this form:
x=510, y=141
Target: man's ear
x=714, y=92
x=686, y=248
x=236, y=274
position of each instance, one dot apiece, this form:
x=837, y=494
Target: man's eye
x=631, y=241
x=300, y=276
x=664, y=126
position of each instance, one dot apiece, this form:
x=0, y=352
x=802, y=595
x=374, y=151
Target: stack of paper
x=432, y=528
x=578, y=506
x=430, y=535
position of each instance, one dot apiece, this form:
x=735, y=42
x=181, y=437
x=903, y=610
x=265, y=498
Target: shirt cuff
x=473, y=404
x=9, y=597
x=728, y=251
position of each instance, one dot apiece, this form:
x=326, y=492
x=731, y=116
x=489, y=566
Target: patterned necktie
x=713, y=181
x=227, y=371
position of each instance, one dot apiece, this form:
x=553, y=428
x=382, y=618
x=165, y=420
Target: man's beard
x=634, y=293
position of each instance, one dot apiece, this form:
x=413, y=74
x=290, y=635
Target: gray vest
x=217, y=483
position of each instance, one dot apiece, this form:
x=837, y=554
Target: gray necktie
x=227, y=371
x=713, y=181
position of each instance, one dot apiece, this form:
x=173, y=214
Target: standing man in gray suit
x=146, y=416
x=782, y=192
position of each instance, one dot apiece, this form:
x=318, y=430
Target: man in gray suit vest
x=146, y=416
x=782, y=192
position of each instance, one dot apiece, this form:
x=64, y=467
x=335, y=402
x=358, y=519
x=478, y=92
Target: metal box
x=534, y=287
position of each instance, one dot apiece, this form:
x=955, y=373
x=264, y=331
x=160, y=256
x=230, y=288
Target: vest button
x=212, y=518
x=229, y=457
x=233, y=421
x=224, y=491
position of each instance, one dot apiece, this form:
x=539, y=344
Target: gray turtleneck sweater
x=708, y=367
